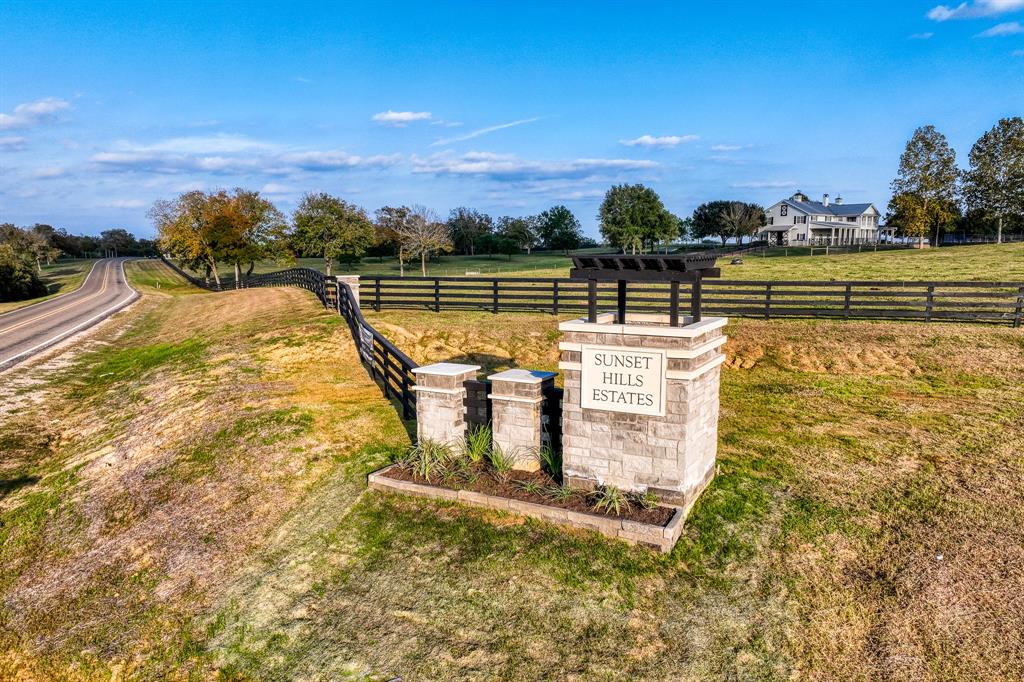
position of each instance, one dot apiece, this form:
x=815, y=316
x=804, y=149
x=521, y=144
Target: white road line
x=4, y=364
x=55, y=298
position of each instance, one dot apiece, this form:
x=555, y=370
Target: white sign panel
x=623, y=380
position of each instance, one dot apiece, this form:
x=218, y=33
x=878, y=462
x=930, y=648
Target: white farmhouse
x=799, y=221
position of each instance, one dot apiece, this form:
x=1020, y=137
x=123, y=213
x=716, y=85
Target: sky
x=510, y=108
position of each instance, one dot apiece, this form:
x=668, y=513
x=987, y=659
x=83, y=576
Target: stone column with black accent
x=353, y=282
x=641, y=403
x=440, y=402
x=517, y=400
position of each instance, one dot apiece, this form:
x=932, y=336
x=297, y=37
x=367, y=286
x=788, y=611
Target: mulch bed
x=487, y=483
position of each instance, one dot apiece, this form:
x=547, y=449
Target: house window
x=771, y=220
x=851, y=219
x=800, y=219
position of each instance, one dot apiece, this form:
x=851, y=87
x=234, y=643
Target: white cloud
x=484, y=131
x=921, y=36
x=12, y=143
x=48, y=172
x=764, y=184
x=227, y=154
x=511, y=167
x=664, y=141
x=730, y=147
x=1008, y=28
x=974, y=10
x=446, y=124
x=34, y=113
x=399, y=119
x=127, y=203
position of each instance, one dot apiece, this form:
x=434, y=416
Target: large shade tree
x=331, y=228
x=390, y=226
x=468, y=227
x=632, y=215
x=559, y=229
x=925, y=189
x=994, y=184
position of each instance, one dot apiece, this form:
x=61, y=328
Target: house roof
x=818, y=208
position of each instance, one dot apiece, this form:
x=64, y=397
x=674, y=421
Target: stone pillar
x=655, y=428
x=517, y=398
x=440, y=410
x=353, y=282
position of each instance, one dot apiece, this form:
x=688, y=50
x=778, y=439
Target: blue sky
x=105, y=107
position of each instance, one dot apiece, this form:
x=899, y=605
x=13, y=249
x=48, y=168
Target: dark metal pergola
x=624, y=268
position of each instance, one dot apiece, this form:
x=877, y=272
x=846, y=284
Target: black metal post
x=622, y=302
x=591, y=300
x=695, y=298
x=673, y=303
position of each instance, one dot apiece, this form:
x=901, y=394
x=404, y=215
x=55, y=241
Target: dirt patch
x=742, y=353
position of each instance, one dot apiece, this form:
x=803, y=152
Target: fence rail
x=924, y=301
x=386, y=364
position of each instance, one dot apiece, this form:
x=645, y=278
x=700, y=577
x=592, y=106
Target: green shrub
x=428, y=460
x=560, y=493
x=551, y=461
x=649, y=500
x=501, y=461
x=531, y=487
x=478, y=444
x=609, y=500
x=18, y=280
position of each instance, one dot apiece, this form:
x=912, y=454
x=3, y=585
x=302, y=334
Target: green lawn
x=60, y=278
x=985, y=262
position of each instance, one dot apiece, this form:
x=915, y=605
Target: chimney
x=839, y=201
x=824, y=201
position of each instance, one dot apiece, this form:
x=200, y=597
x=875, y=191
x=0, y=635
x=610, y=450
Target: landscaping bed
x=537, y=488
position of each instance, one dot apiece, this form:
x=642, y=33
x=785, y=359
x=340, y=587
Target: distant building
x=799, y=221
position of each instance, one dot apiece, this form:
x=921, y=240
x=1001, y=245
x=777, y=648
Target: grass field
x=185, y=498
x=60, y=278
x=986, y=262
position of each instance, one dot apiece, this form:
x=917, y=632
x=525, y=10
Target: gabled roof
x=818, y=208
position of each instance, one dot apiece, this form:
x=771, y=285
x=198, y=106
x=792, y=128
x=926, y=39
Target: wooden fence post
x=768, y=301
x=437, y=295
x=494, y=292
x=377, y=292
x=554, y=305
x=1018, y=317
x=929, y=302
x=846, y=302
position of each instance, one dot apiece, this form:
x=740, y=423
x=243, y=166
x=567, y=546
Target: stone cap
x=445, y=369
x=523, y=376
x=655, y=327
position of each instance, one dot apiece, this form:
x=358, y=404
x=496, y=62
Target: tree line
x=24, y=251
x=932, y=195
x=205, y=230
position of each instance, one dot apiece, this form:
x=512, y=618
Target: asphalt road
x=29, y=330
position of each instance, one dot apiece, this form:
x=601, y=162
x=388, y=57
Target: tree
x=330, y=227
x=187, y=229
x=421, y=234
x=558, y=228
x=742, y=220
x=517, y=231
x=18, y=281
x=925, y=187
x=631, y=215
x=467, y=227
x=117, y=240
x=995, y=182
x=708, y=220
x=390, y=226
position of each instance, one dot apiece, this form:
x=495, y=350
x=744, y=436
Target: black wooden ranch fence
x=992, y=302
